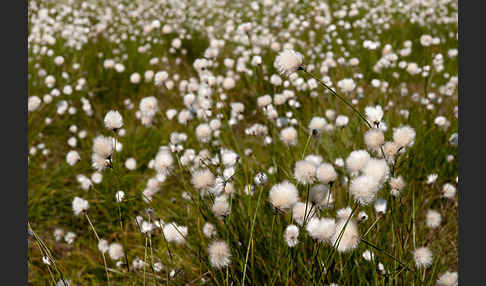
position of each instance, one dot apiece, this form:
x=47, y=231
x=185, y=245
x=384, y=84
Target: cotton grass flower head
x=115, y=251
x=350, y=237
x=363, y=189
x=356, y=160
x=397, y=184
x=103, y=245
x=317, y=125
x=220, y=207
x=283, y=195
x=448, y=279
x=305, y=172
x=403, y=136
x=80, y=205
x=209, y=230
x=203, y=179
x=113, y=120
x=423, y=257
x=103, y=146
x=448, y=191
x=289, y=136
x=380, y=206
x=377, y=169
x=289, y=61
x=175, y=233
x=321, y=196
x=374, y=138
x=291, y=235
x=72, y=157
x=322, y=229
x=374, y=114
x=433, y=218
x=219, y=254
x=301, y=211
x=325, y=173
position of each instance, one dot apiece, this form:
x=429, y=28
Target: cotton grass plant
x=264, y=142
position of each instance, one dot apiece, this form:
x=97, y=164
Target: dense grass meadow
x=255, y=142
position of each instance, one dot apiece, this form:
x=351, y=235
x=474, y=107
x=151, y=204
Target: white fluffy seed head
x=317, y=125
x=115, y=251
x=448, y=279
x=131, y=164
x=203, y=179
x=163, y=161
x=103, y=245
x=220, y=208
x=350, y=236
x=289, y=136
x=374, y=138
x=305, y=172
x=175, y=233
x=288, y=61
x=113, y=120
x=209, y=230
x=390, y=149
x=325, y=173
x=403, y=136
x=79, y=205
x=377, y=169
x=322, y=229
x=433, y=218
x=219, y=254
x=380, y=206
x=283, y=195
x=363, y=189
x=357, y=160
x=320, y=196
x=203, y=132
x=374, y=114
x=300, y=211
x=448, y=191
x=103, y=146
x=423, y=257
x=72, y=157
x=291, y=235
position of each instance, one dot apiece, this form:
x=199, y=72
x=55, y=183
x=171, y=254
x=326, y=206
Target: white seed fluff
x=131, y=164
x=305, y=172
x=175, y=233
x=291, y=235
x=357, y=160
x=325, y=173
x=364, y=189
x=322, y=229
x=203, y=179
x=320, y=196
x=113, y=120
x=423, y=257
x=374, y=114
x=219, y=254
x=289, y=136
x=209, y=230
x=403, y=136
x=103, y=146
x=377, y=169
x=374, y=138
x=433, y=218
x=283, y=195
x=80, y=205
x=288, y=61
x=72, y=157
x=116, y=251
x=448, y=279
x=448, y=191
x=350, y=236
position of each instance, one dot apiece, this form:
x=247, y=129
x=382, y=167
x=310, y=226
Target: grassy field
x=217, y=113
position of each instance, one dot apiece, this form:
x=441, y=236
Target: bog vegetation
x=255, y=142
